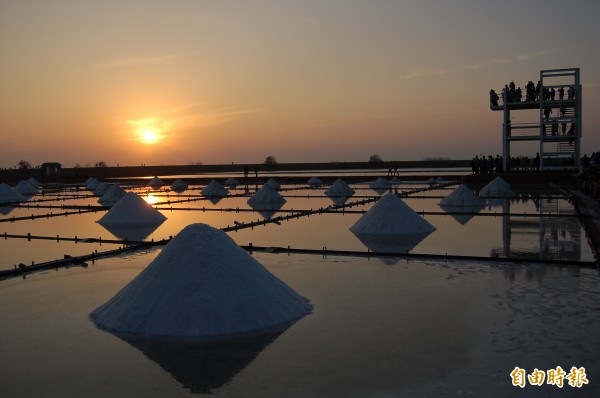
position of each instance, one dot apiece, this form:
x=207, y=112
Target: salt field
x=452, y=311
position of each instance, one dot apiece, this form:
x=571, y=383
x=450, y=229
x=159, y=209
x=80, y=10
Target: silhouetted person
x=537, y=161
x=530, y=91
x=511, y=92
x=256, y=171
x=493, y=98
x=571, y=93
x=518, y=94
x=571, y=132
x=552, y=93
x=561, y=93
x=246, y=171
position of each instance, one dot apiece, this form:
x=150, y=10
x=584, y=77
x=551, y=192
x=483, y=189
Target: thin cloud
x=520, y=57
x=424, y=73
x=495, y=61
x=480, y=65
x=525, y=57
x=183, y=117
x=143, y=61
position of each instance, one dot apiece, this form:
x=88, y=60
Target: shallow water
x=388, y=329
x=537, y=225
x=381, y=327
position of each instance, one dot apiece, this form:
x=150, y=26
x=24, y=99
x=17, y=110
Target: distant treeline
x=79, y=173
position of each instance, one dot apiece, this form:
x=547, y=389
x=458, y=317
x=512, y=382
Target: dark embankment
x=77, y=174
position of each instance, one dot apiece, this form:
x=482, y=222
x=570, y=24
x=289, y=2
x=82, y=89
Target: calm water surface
x=381, y=327
x=370, y=334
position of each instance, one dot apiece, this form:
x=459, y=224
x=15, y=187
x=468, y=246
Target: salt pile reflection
x=203, y=367
x=391, y=226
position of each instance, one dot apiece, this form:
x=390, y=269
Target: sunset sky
x=185, y=81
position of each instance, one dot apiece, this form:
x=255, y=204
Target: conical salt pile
x=202, y=285
x=36, y=184
x=266, y=195
x=214, y=189
x=339, y=188
x=391, y=216
x=462, y=196
x=497, y=187
x=91, y=183
x=232, y=182
x=112, y=196
x=395, y=180
x=380, y=183
x=179, y=185
x=101, y=189
x=25, y=187
x=9, y=195
x=273, y=183
x=315, y=182
x=156, y=182
x=132, y=211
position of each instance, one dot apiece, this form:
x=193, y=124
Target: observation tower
x=557, y=126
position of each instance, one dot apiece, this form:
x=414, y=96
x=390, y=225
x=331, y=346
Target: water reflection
x=203, y=367
x=267, y=210
x=557, y=237
x=338, y=200
x=5, y=210
x=462, y=214
x=131, y=233
x=392, y=243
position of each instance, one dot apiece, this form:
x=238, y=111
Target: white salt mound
x=179, y=185
x=339, y=188
x=496, y=187
x=202, y=285
x=462, y=196
x=36, y=184
x=101, y=189
x=232, y=182
x=25, y=187
x=266, y=195
x=7, y=194
x=273, y=183
x=214, y=189
x=315, y=182
x=132, y=211
x=156, y=182
x=391, y=216
x=92, y=183
x=112, y=195
x=380, y=183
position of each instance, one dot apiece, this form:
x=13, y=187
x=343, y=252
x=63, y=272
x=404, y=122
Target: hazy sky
x=235, y=81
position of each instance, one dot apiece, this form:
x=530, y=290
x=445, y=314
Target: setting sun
x=149, y=137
